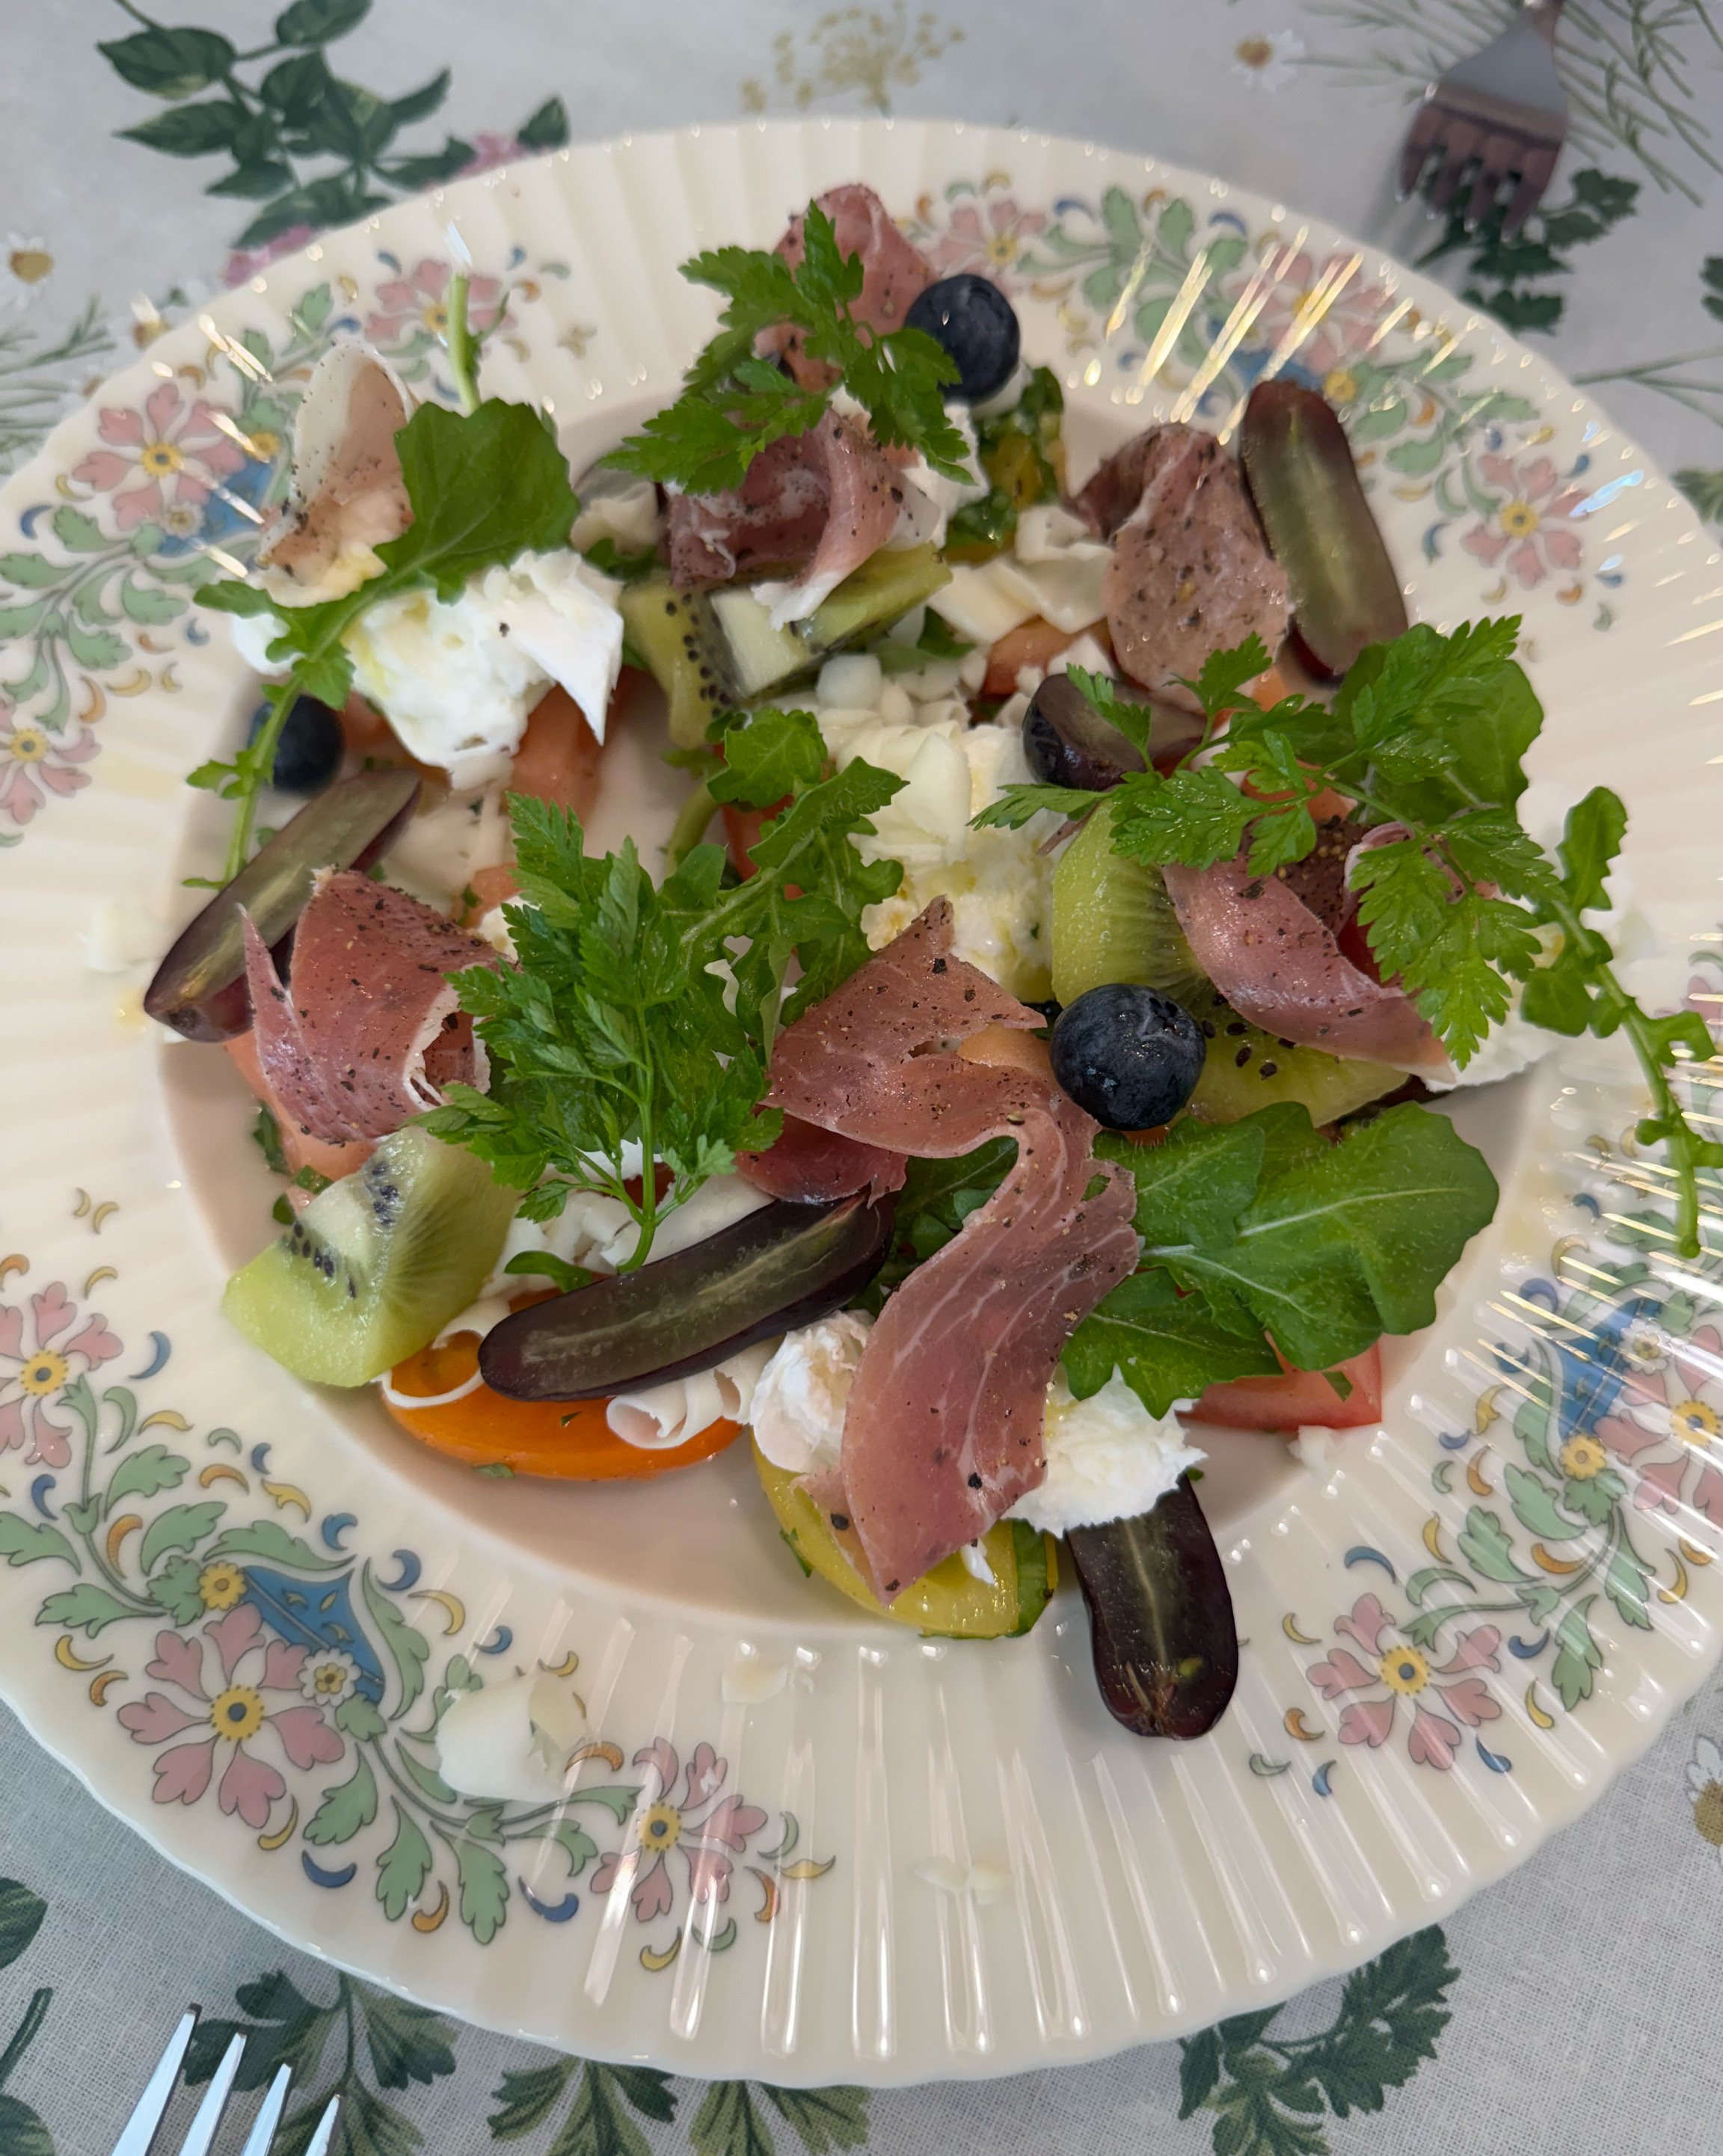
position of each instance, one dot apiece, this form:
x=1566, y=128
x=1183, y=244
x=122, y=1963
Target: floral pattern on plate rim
x=97, y=603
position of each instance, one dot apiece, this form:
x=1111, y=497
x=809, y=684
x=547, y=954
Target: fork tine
x=197, y=2141
x=269, y=2117
x=1420, y=141
x=1496, y=159
x=318, y=2145
x=1458, y=145
x=140, y=2130
x=1535, y=170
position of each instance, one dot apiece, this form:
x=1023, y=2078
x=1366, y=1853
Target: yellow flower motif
x=435, y=317
x=1693, y=1422
x=45, y=1373
x=160, y=459
x=1405, y=1670
x=1002, y=249
x=329, y=1678
x=1253, y=52
x=237, y=1713
x=26, y=746
x=1340, y=385
x=264, y=443
x=30, y=265
x=1583, y=1457
x=661, y=1829
x=221, y=1585
x=1519, y=519
x=1708, y=1814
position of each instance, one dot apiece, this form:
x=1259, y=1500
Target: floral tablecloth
x=147, y=164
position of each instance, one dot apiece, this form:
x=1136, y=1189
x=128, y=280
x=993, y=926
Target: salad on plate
x=1029, y=1048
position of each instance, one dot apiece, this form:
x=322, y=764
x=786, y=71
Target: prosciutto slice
x=812, y=1167
x=824, y=502
x=893, y=272
x=1191, y=573
x=1279, y=965
x=943, y=1431
x=369, y=1033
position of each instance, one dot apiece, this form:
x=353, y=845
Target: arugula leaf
x=937, y=1198
x=645, y=1015
x=485, y=486
x=734, y=404
x=1274, y=1235
x=1167, y=1346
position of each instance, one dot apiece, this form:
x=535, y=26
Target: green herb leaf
x=1166, y=1347
x=734, y=403
x=1017, y=804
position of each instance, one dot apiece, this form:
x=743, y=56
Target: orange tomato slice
x=567, y=1438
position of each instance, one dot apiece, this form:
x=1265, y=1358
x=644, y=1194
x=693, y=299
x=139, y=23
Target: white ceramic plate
x=229, y=1603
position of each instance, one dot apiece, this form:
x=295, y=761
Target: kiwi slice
x=376, y=1264
x=1246, y=1068
x=1112, y=921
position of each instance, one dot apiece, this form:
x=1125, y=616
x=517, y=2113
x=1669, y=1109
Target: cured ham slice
x=893, y=272
x=824, y=502
x=1191, y=573
x=811, y=1166
x=369, y=1032
x=943, y=1430
x=1281, y=965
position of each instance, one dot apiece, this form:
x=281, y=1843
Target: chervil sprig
x=643, y=1015
x=735, y=403
x=1426, y=740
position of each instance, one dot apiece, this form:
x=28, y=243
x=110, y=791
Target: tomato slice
x=1297, y=1396
x=567, y=1438
x=1036, y=642
x=557, y=760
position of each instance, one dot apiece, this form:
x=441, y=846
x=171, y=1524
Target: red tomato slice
x=558, y=756
x=1297, y=1396
x=568, y=1439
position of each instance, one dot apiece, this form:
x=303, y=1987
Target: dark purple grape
x=971, y=319
x=1161, y=1617
x=780, y=1267
x=199, y=988
x=1128, y=1055
x=309, y=752
x=1068, y=743
x=1298, y=464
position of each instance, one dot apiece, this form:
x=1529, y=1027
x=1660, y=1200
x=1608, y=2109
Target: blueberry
x=1129, y=1055
x=310, y=750
x=975, y=322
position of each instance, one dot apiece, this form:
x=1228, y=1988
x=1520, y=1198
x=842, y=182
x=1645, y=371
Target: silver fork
x=1503, y=111
x=145, y=2123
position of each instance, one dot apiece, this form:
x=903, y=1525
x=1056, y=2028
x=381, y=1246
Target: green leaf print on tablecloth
x=330, y=2049
x=732, y=2120
x=1505, y=273
x=21, y=2131
x=290, y=112
x=1268, y=2093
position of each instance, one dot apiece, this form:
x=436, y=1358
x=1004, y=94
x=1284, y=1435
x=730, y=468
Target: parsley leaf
x=1017, y=804
x=485, y=486
x=644, y=1015
x=734, y=404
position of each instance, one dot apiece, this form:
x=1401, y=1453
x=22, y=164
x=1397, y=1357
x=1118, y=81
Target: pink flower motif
x=36, y=1363
x=34, y=763
x=1405, y=1672
x=1528, y=533
x=169, y=455
x=418, y=303
x=986, y=236
x=1666, y=1425
x=704, y=1825
x=238, y=1711
x=243, y=263
x=491, y=151
x=1347, y=311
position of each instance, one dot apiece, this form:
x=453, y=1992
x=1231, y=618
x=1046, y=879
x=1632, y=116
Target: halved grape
x=199, y=988
x=780, y=1267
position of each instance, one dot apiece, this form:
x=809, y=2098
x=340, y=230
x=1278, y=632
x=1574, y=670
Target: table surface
x=1556, y=2011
